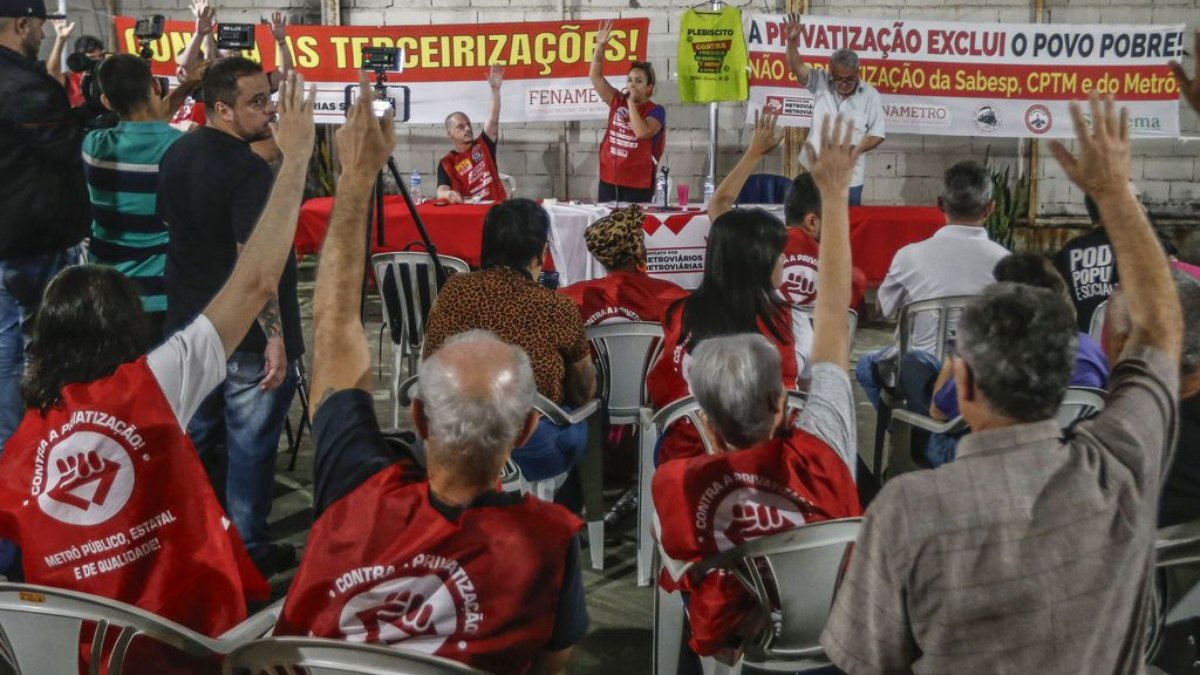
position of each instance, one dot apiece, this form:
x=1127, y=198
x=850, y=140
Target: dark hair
x=1020, y=343
x=1032, y=269
x=87, y=43
x=90, y=321
x=514, y=232
x=803, y=199
x=646, y=68
x=221, y=80
x=966, y=191
x=126, y=80
x=736, y=293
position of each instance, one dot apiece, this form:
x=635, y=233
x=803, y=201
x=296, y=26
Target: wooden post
x=1039, y=11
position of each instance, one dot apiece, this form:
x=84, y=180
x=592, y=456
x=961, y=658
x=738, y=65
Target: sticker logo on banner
x=90, y=478
x=987, y=119
x=748, y=513
x=1038, y=119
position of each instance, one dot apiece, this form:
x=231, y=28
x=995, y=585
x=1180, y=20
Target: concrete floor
x=620, y=638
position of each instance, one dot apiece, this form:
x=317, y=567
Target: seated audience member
x=802, y=213
x=121, y=165
x=1087, y=264
x=779, y=475
x=957, y=260
x=626, y=293
x=505, y=298
x=469, y=171
x=453, y=567
x=940, y=401
x=976, y=567
x=736, y=295
x=101, y=455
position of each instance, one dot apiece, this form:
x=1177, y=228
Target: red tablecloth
x=456, y=230
x=876, y=232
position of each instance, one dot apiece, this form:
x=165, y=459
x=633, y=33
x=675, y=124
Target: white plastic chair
x=316, y=656
x=851, y=318
x=793, y=577
x=624, y=353
x=1096, y=325
x=40, y=630
x=510, y=185
x=407, y=283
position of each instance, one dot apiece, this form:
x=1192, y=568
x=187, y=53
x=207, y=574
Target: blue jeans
x=22, y=282
x=551, y=450
x=247, y=422
x=856, y=195
x=868, y=379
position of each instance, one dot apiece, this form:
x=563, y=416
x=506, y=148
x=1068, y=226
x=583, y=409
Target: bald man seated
x=441, y=563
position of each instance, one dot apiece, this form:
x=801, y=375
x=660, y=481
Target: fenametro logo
x=89, y=479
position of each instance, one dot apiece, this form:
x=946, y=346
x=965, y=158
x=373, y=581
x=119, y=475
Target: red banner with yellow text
x=445, y=67
x=970, y=79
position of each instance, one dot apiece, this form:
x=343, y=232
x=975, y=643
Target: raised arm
x=190, y=57
x=831, y=172
x=791, y=33
x=1189, y=87
x=596, y=73
x=278, y=24
x=1101, y=170
x=341, y=358
x=495, y=80
x=54, y=64
x=255, y=277
x=762, y=143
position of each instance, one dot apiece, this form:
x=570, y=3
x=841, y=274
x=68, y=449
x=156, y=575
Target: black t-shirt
x=443, y=178
x=350, y=449
x=1180, y=501
x=1089, y=267
x=211, y=190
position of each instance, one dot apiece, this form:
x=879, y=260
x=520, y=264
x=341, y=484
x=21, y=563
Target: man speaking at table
x=839, y=91
x=469, y=171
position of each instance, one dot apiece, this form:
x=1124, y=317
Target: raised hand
x=765, y=139
x=496, y=77
x=603, y=33
x=62, y=29
x=1101, y=165
x=365, y=142
x=294, y=129
x=791, y=29
x=832, y=169
x=204, y=13
x=278, y=24
x=1189, y=87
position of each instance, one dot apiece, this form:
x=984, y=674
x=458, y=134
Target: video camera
x=147, y=30
x=239, y=36
x=383, y=60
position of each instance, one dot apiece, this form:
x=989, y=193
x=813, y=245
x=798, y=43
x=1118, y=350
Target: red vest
x=105, y=495
x=623, y=296
x=384, y=566
x=666, y=381
x=711, y=504
x=192, y=110
x=624, y=159
x=800, y=271
x=473, y=172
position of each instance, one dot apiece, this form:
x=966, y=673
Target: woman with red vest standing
x=742, y=271
x=636, y=134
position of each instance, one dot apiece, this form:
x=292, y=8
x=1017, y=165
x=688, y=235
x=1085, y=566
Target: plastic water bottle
x=660, y=190
x=709, y=189
x=414, y=187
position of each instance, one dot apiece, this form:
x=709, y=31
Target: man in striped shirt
x=121, y=165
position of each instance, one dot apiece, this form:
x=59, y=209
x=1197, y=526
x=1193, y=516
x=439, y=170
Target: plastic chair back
x=407, y=281
x=510, y=184
x=315, y=656
x=765, y=188
x=851, y=318
x=940, y=314
x=40, y=629
x=794, y=576
x=1096, y=325
x=1079, y=403
x=624, y=353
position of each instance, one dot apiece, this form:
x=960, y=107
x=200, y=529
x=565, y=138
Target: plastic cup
x=683, y=194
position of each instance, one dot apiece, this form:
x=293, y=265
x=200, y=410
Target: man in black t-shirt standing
x=211, y=190
x=1089, y=268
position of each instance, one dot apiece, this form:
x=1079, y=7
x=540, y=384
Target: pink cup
x=683, y=194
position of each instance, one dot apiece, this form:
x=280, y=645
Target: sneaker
x=274, y=559
x=626, y=506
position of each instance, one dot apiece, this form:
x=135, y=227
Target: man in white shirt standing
x=839, y=91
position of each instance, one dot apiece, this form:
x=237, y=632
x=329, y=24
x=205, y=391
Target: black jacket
x=44, y=204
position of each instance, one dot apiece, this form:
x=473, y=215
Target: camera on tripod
x=147, y=30
x=239, y=36
x=383, y=60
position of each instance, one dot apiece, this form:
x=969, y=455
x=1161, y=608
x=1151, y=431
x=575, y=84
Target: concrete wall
x=905, y=170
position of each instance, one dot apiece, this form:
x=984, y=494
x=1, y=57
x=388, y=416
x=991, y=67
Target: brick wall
x=906, y=169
